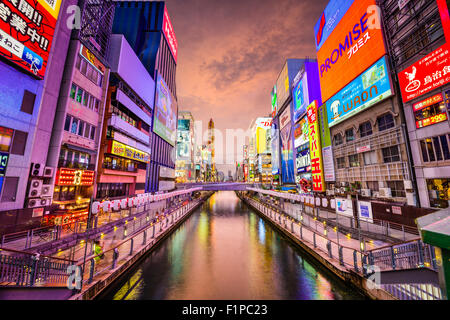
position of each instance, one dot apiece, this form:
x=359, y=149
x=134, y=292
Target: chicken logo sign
x=26, y=32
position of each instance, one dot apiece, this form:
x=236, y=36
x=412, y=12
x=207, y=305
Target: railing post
x=314, y=239
x=421, y=256
x=131, y=246
x=364, y=264
x=433, y=257
x=301, y=231
x=153, y=234
x=115, y=257
x=403, y=231
x=34, y=268
x=329, y=249
x=371, y=259
x=3, y=240
x=341, y=256
x=91, y=271
x=125, y=231
x=393, y=258
x=144, y=237
x=355, y=261
x=26, y=241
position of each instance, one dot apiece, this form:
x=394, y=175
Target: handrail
x=34, y=254
x=393, y=245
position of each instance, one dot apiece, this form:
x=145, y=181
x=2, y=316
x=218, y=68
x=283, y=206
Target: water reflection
x=226, y=251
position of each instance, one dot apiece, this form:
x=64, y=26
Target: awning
x=80, y=149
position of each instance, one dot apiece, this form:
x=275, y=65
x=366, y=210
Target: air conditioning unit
x=385, y=193
x=48, y=172
x=45, y=201
x=34, y=203
x=365, y=192
x=330, y=192
x=36, y=169
x=408, y=184
x=35, y=188
x=47, y=190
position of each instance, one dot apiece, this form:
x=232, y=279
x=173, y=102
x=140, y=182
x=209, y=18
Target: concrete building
x=28, y=100
x=417, y=38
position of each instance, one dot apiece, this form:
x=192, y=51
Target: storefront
x=439, y=192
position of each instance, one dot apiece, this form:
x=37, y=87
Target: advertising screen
x=3, y=162
x=165, y=118
x=346, y=42
x=183, y=144
x=26, y=33
x=122, y=150
x=327, y=149
x=301, y=132
x=315, y=148
x=369, y=88
x=184, y=124
x=287, y=155
x=170, y=34
x=282, y=86
x=303, y=160
x=275, y=134
x=300, y=96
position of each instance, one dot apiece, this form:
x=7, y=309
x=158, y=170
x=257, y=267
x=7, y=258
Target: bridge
x=216, y=186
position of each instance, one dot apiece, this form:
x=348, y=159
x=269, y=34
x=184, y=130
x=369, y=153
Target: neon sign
x=73, y=177
x=315, y=148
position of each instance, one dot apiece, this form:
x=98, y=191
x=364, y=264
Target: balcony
x=75, y=165
x=117, y=167
x=126, y=128
x=375, y=172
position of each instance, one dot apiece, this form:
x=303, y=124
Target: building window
x=435, y=149
x=85, y=99
x=439, y=192
x=28, y=102
x=391, y=154
x=92, y=132
x=385, y=122
x=370, y=158
x=340, y=162
x=373, y=185
x=349, y=135
x=79, y=95
x=19, y=142
x=365, y=129
x=10, y=189
x=338, y=139
x=67, y=122
x=73, y=91
x=74, y=127
x=397, y=188
x=353, y=160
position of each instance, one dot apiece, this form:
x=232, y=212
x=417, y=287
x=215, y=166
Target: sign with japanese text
x=431, y=120
x=427, y=74
x=122, y=150
x=428, y=102
x=371, y=87
x=92, y=59
x=347, y=43
x=74, y=177
x=301, y=132
x=170, y=34
x=315, y=148
x=327, y=149
x=365, y=211
x=26, y=32
x=3, y=162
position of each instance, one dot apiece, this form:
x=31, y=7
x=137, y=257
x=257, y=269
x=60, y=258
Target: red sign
x=427, y=74
x=170, y=34
x=428, y=102
x=431, y=120
x=26, y=32
x=74, y=177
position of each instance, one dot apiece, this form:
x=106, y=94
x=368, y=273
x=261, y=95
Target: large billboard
x=183, y=140
x=275, y=135
x=26, y=32
x=315, y=148
x=346, y=42
x=327, y=149
x=282, y=86
x=301, y=132
x=366, y=90
x=273, y=96
x=287, y=155
x=165, y=118
x=170, y=34
x=300, y=97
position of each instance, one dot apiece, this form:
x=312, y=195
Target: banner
x=315, y=148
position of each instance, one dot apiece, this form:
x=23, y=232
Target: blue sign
x=300, y=101
x=371, y=87
x=331, y=16
x=364, y=211
x=1, y=183
x=3, y=162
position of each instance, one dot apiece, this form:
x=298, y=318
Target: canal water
x=226, y=251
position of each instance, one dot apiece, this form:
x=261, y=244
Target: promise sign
x=315, y=148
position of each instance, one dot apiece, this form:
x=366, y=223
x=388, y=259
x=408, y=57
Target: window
x=97, y=104
x=397, y=188
x=385, y=122
x=79, y=95
x=28, y=102
x=340, y=163
x=390, y=154
x=73, y=91
x=85, y=99
x=81, y=128
x=83, y=66
x=92, y=133
x=338, y=139
x=78, y=63
x=74, y=128
x=67, y=123
x=5, y=138
x=435, y=149
x=349, y=135
x=373, y=185
x=10, y=189
x=365, y=129
x=353, y=160
x=19, y=142
x=370, y=158
x=87, y=130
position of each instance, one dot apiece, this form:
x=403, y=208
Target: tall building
x=31, y=73
x=76, y=133
x=212, y=175
x=360, y=109
x=260, y=150
x=147, y=27
x=185, y=164
x=417, y=34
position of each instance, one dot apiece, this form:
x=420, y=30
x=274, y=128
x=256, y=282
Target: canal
x=224, y=250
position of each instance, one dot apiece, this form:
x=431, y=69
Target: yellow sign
x=125, y=151
x=52, y=6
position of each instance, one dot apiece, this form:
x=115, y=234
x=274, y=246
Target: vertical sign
x=315, y=148
x=327, y=149
x=170, y=34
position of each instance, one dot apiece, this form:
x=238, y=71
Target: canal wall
x=345, y=273
x=101, y=283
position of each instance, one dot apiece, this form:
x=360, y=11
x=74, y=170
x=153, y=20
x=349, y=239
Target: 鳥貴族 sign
x=26, y=32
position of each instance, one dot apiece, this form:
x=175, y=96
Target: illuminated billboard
x=275, y=144
x=315, y=148
x=366, y=90
x=273, y=96
x=346, y=42
x=327, y=149
x=282, y=86
x=26, y=32
x=170, y=34
x=301, y=132
x=122, y=150
x=300, y=96
x=165, y=118
x=183, y=139
x=287, y=155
